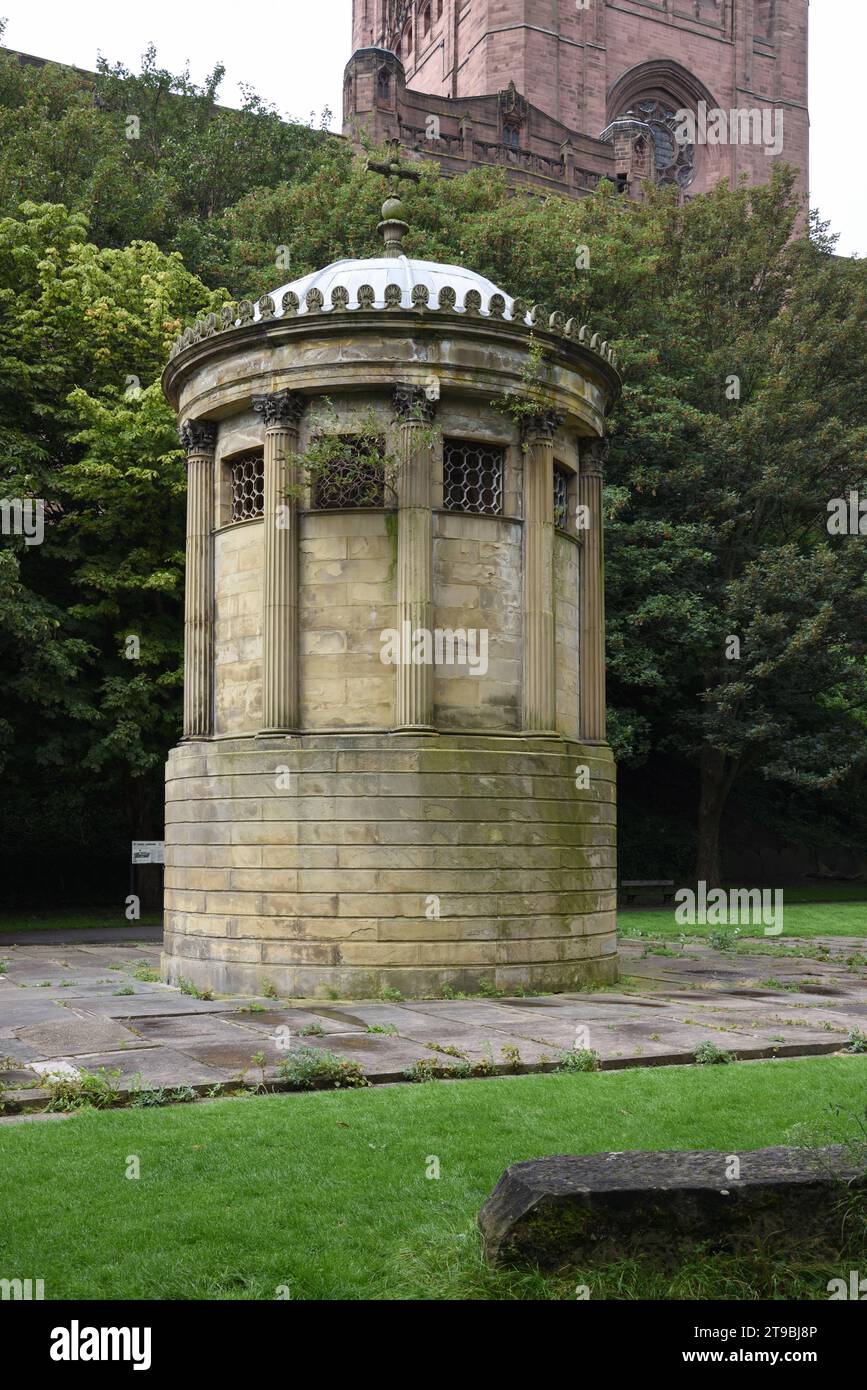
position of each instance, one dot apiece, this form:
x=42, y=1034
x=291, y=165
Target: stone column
x=415, y=412
x=199, y=438
x=539, y=704
x=282, y=413
x=591, y=601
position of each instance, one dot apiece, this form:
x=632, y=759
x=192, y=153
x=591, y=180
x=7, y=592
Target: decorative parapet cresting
x=417, y=301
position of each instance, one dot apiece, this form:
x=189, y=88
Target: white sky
x=294, y=53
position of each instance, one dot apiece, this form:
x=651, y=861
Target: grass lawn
x=800, y=919
x=26, y=920
x=326, y=1193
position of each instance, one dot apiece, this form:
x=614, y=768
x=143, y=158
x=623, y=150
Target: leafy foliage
x=716, y=501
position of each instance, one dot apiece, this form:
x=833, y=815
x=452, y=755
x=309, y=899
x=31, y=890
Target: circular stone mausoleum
x=393, y=771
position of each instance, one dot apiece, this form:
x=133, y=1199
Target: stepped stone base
x=316, y=865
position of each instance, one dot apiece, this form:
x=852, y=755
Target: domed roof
x=381, y=271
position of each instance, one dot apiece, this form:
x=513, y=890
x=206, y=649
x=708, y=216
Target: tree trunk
x=716, y=777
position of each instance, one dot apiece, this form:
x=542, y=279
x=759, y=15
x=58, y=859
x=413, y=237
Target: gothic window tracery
x=675, y=163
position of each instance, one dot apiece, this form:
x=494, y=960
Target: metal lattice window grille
x=561, y=498
x=473, y=477
x=248, y=485
x=351, y=478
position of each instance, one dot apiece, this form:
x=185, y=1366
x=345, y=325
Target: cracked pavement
x=78, y=1006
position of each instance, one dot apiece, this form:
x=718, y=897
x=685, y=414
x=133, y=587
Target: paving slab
x=24, y=1011
x=75, y=1036
x=663, y=1009
x=56, y=1068
x=233, y=1056
x=184, y=1031
x=276, y=1022
x=159, y=1004
x=380, y=1055
x=155, y=1066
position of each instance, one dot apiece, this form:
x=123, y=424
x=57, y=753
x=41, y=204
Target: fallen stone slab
x=574, y=1210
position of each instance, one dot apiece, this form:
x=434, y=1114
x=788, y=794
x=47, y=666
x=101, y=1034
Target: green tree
x=145, y=156
x=744, y=352
x=85, y=334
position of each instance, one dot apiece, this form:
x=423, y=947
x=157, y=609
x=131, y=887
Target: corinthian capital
x=280, y=410
x=594, y=455
x=198, y=436
x=543, y=425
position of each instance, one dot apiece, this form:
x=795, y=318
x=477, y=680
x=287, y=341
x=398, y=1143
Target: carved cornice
x=198, y=436
x=281, y=410
x=413, y=403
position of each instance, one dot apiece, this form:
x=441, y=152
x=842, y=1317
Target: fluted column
x=199, y=438
x=591, y=602
x=282, y=413
x=539, y=702
x=414, y=411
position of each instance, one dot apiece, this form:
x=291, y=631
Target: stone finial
x=393, y=296
x=266, y=307
x=340, y=299
x=497, y=306
x=594, y=342
x=210, y=326
x=281, y=409
x=413, y=403
x=557, y=322
x=520, y=310
x=447, y=299
x=290, y=304
x=366, y=297
x=227, y=317
x=393, y=227
x=198, y=436
x=315, y=301
x=245, y=311
x=420, y=297
x=538, y=317
x=472, y=303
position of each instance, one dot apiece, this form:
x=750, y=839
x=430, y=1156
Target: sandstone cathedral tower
x=563, y=93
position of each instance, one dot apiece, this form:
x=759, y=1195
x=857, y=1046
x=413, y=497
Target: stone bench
x=557, y=1211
